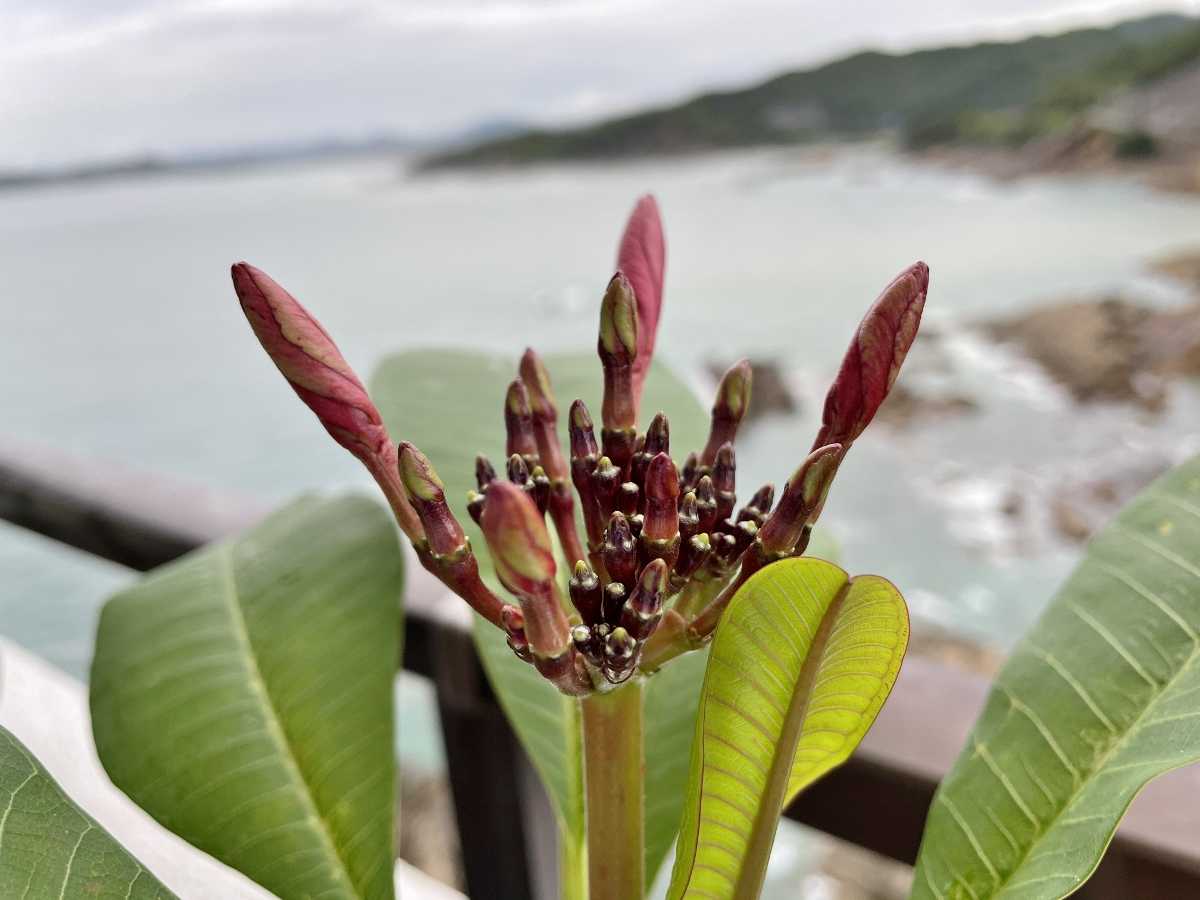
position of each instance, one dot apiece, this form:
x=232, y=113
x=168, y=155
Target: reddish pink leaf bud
x=873, y=361
x=312, y=364
x=642, y=257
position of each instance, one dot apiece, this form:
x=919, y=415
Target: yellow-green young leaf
x=1101, y=696
x=243, y=697
x=50, y=848
x=450, y=403
x=800, y=666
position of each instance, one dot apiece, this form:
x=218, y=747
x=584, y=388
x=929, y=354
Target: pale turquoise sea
x=121, y=339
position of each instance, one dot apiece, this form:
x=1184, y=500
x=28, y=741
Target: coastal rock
x=906, y=406
x=1183, y=265
x=1109, y=349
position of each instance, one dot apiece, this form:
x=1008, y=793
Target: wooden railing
x=878, y=800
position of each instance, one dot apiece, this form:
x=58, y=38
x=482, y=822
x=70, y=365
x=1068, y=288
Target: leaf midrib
x=1131, y=732
x=274, y=726
x=766, y=819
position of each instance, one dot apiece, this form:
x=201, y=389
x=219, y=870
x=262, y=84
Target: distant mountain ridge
x=261, y=154
x=991, y=92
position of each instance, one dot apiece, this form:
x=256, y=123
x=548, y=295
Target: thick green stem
x=614, y=764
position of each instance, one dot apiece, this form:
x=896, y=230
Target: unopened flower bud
x=619, y=646
x=642, y=258
x=427, y=495
x=743, y=535
x=693, y=553
x=660, y=532
x=518, y=424
x=662, y=499
x=643, y=609
x=582, y=432
x=587, y=596
x=518, y=470
x=724, y=479
x=618, y=350
x=690, y=473
x=485, y=472
x=605, y=479
x=614, y=601
x=584, y=452
x=656, y=440
x=706, y=504
x=627, y=498
x=514, y=625
x=760, y=504
x=308, y=358
x=873, y=361
x=733, y=399
x=545, y=414
x=802, y=498
x=539, y=484
x=619, y=551
x=516, y=535
x=635, y=524
x=689, y=515
x=620, y=649
x=475, y=501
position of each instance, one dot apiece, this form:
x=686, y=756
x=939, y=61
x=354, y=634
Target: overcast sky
x=85, y=79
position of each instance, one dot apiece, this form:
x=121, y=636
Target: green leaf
x=800, y=666
x=1099, y=698
x=450, y=404
x=243, y=697
x=50, y=848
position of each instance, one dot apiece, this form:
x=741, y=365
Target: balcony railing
x=878, y=800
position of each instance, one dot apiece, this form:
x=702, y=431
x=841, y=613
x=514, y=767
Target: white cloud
x=82, y=79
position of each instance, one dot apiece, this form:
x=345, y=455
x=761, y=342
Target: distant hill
x=257, y=155
x=989, y=92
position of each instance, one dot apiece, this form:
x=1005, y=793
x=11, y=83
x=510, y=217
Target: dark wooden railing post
x=492, y=797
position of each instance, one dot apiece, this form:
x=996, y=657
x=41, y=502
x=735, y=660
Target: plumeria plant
x=677, y=666
x=653, y=554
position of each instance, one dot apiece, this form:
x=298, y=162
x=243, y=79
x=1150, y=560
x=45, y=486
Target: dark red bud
x=873, y=361
x=733, y=399
x=427, y=496
x=662, y=500
x=586, y=593
x=620, y=554
x=485, y=473
x=802, y=499
x=518, y=423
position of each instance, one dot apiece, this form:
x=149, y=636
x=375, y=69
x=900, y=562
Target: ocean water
x=122, y=339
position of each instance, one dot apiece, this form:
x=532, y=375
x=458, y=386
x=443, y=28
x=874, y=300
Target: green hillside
x=987, y=91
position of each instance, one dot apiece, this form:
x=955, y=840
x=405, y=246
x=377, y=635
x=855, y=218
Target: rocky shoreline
x=1092, y=152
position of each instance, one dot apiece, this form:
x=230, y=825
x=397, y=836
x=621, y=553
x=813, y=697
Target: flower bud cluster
x=664, y=547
